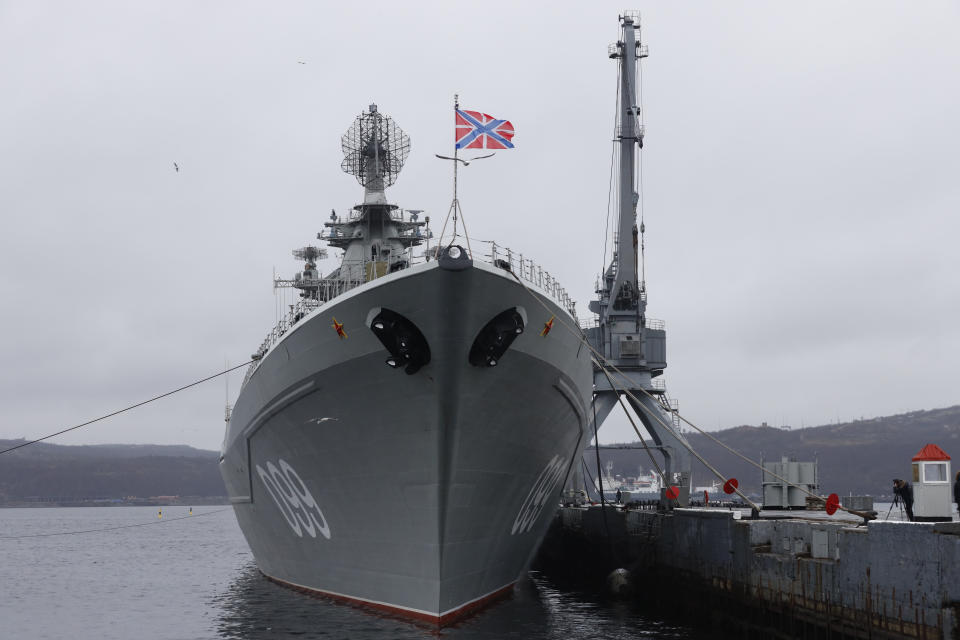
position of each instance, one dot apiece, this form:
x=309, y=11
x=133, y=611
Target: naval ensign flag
x=475, y=130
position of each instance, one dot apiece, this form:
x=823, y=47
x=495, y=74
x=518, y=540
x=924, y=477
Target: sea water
x=183, y=576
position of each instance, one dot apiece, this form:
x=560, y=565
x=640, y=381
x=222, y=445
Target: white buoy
x=618, y=581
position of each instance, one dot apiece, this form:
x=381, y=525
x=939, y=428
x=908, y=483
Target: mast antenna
x=455, y=209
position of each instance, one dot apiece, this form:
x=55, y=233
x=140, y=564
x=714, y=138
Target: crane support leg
x=677, y=458
x=603, y=403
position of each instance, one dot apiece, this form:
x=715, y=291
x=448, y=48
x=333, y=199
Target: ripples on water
x=195, y=579
x=253, y=608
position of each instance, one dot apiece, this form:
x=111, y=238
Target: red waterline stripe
x=445, y=619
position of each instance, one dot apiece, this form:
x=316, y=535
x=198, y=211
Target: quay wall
x=780, y=577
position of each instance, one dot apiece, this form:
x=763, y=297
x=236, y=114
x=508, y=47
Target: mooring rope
x=133, y=406
x=581, y=337
x=682, y=441
x=736, y=453
x=603, y=502
x=583, y=340
x=593, y=482
x=663, y=478
x=125, y=526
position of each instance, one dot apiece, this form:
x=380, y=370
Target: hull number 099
x=294, y=500
x=541, y=491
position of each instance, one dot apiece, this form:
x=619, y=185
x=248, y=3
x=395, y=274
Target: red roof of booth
x=931, y=452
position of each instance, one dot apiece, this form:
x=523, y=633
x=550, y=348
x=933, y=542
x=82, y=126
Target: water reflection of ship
x=541, y=607
x=252, y=608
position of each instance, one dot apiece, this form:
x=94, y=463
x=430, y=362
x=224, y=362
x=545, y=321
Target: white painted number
x=294, y=500
x=542, y=489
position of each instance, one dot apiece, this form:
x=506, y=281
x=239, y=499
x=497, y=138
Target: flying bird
x=319, y=420
x=301, y=62
x=466, y=163
x=176, y=168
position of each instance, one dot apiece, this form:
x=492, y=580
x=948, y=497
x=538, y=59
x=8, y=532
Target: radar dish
x=374, y=150
x=310, y=254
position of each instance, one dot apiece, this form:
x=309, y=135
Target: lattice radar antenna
x=310, y=254
x=374, y=150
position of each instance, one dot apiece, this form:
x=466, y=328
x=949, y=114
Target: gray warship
x=434, y=377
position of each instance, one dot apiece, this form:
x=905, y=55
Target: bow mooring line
x=125, y=409
x=606, y=366
x=124, y=526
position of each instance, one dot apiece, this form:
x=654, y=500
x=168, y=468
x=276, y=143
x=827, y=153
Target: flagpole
x=456, y=201
x=455, y=204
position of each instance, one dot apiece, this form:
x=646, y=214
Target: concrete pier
x=773, y=578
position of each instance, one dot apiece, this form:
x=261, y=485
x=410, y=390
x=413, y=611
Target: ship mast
x=635, y=345
x=377, y=238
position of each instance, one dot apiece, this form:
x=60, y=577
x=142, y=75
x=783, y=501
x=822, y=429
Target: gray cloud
x=800, y=189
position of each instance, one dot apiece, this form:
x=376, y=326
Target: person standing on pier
x=956, y=490
x=903, y=492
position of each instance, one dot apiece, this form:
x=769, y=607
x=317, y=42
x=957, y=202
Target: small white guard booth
x=932, y=485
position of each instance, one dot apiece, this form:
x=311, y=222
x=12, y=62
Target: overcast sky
x=801, y=189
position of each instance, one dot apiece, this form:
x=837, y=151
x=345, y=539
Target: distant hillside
x=860, y=457
x=45, y=470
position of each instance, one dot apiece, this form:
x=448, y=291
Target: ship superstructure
x=429, y=373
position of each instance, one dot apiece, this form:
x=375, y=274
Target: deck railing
x=297, y=312
x=359, y=273
x=594, y=321
x=527, y=269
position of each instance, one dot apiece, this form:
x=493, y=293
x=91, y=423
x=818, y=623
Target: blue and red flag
x=475, y=130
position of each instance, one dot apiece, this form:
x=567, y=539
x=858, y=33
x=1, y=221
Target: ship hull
x=424, y=494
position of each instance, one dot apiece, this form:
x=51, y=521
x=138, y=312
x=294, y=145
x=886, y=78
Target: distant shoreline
x=190, y=501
